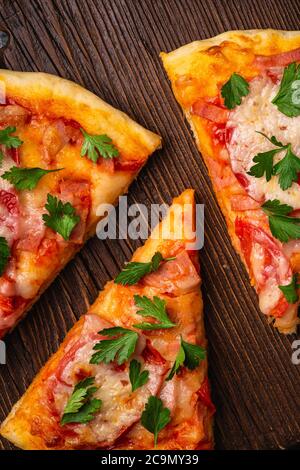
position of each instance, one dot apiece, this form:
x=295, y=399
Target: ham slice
x=282, y=59
x=13, y=115
x=175, y=277
x=210, y=111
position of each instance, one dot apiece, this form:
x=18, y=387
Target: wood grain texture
x=112, y=47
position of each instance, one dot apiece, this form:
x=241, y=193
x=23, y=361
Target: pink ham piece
x=282, y=59
x=210, y=111
x=114, y=389
x=268, y=265
x=13, y=115
x=175, y=277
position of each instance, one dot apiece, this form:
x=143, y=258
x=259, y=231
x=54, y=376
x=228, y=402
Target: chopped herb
x=155, y=417
x=290, y=291
x=287, y=99
x=10, y=141
x=81, y=408
x=137, y=378
x=233, y=90
x=95, y=146
x=283, y=228
x=135, y=270
x=25, y=178
x=4, y=254
x=61, y=218
x=119, y=349
x=155, y=308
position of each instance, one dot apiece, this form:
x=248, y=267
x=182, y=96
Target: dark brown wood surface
x=111, y=48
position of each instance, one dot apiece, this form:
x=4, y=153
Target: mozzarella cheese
x=257, y=113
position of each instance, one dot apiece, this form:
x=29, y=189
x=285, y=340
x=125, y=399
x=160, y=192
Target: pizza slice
x=132, y=372
x=63, y=153
x=240, y=92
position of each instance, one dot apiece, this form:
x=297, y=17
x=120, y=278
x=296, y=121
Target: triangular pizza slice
x=63, y=153
x=240, y=92
x=132, y=373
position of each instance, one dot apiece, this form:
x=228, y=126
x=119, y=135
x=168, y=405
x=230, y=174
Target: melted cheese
x=257, y=113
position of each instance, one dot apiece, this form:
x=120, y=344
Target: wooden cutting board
x=111, y=47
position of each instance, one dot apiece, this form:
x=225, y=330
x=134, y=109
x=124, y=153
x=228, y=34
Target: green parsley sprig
x=10, y=141
x=134, y=271
x=4, y=254
x=285, y=98
x=282, y=226
x=81, y=407
x=95, y=146
x=137, y=378
x=234, y=90
x=189, y=355
x=287, y=169
x=155, y=416
x=155, y=308
x=119, y=348
x=25, y=178
x=61, y=217
x=290, y=291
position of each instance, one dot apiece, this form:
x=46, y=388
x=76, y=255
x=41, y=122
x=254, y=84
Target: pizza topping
x=287, y=99
x=210, y=111
x=14, y=115
x=288, y=168
x=137, y=378
x=177, y=277
x=119, y=348
x=290, y=290
x=135, y=270
x=61, y=217
x=276, y=60
x=282, y=226
x=189, y=355
x=155, y=308
x=81, y=407
x=120, y=408
x=252, y=121
x=155, y=417
x=4, y=254
x=9, y=140
x=95, y=146
x=25, y=178
x=267, y=264
x=234, y=90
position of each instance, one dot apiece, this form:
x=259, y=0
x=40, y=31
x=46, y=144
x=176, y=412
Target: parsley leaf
x=120, y=348
x=61, y=218
x=155, y=417
x=274, y=207
x=137, y=379
x=155, y=308
x=233, y=90
x=264, y=164
x=285, y=98
x=283, y=228
x=193, y=354
x=4, y=254
x=178, y=363
x=189, y=355
x=95, y=146
x=10, y=141
x=80, y=407
x=25, y=178
x=290, y=291
x=1, y=157
x=135, y=270
x=287, y=169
